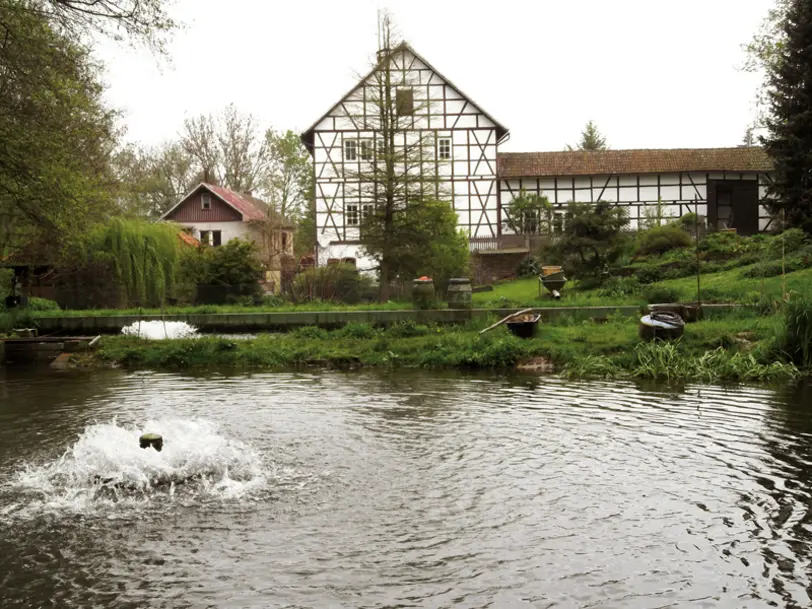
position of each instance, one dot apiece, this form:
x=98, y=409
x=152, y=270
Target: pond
x=400, y=490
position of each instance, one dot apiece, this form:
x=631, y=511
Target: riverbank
x=731, y=346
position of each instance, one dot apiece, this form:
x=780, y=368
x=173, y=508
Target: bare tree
x=396, y=177
x=228, y=148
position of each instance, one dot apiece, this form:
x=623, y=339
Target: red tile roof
x=188, y=239
x=248, y=209
x=612, y=162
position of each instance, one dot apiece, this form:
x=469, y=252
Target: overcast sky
x=651, y=73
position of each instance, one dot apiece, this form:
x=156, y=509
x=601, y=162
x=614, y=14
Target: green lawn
x=725, y=286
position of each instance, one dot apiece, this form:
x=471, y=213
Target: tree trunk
x=383, y=288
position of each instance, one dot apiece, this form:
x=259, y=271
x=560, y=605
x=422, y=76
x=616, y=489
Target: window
x=350, y=150
x=284, y=241
x=213, y=238
x=205, y=201
x=558, y=223
x=367, y=150
x=404, y=100
x=351, y=212
x=444, y=148
x=367, y=210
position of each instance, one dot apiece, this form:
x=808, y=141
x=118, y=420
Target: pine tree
x=789, y=139
x=591, y=139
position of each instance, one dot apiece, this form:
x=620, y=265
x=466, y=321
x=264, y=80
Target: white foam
x=159, y=330
x=106, y=467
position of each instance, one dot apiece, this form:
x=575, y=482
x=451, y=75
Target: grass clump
x=795, y=339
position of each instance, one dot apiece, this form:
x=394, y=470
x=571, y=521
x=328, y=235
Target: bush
x=407, y=329
x=334, y=282
x=793, y=240
x=593, y=238
x=356, y=330
x=620, y=287
x=229, y=273
x=660, y=293
x=528, y=268
x=311, y=332
x=41, y=304
x=660, y=239
x=796, y=337
x=649, y=274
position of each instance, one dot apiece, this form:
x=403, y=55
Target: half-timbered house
x=725, y=185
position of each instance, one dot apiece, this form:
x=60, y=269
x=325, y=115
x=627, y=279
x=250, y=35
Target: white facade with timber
x=727, y=186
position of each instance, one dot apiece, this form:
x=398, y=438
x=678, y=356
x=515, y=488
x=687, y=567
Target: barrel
x=423, y=293
x=459, y=292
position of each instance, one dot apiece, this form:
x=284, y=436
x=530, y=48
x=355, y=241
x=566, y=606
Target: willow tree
x=145, y=257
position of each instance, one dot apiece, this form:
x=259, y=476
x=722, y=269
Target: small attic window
x=205, y=201
x=404, y=99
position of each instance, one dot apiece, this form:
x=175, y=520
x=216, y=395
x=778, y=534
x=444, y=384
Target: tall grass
x=795, y=339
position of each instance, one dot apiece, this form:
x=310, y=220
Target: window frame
x=366, y=149
x=441, y=141
x=205, y=201
x=350, y=150
x=352, y=215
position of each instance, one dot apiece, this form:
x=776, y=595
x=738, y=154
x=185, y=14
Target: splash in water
x=107, y=467
x=159, y=330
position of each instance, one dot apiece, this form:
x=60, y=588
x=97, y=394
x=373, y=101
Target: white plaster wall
x=345, y=250
x=468, y=179
x=638, y=194
x=229, y=230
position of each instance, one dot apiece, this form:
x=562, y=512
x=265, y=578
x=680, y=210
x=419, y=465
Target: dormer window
x=205, y=201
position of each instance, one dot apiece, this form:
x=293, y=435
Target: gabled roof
x=250, y=208
x=308, y=136
x=614, y=162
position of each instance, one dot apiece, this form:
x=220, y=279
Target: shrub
x=356, y=330
x=792, y=240
x=796, y=337
x=42, y=304
x=406, y=328
x=592, y=239
x=660, y=293
x=649, y=274
x=310, y=332
x=334, y=282
x=528, y=268
x=620, y=287
x=660, y=239
x=229, y=273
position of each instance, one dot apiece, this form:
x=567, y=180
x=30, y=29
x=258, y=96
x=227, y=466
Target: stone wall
x=489, y=268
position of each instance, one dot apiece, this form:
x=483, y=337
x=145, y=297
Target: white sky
x=651, y=73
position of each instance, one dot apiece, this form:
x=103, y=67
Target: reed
x=795, y=339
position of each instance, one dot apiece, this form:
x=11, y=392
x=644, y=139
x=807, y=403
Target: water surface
x=400, y=490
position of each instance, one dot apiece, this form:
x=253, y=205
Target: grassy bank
x=733, y=347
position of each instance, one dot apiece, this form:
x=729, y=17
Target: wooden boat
x=663, y=325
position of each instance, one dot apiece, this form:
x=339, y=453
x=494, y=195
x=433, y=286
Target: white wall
x=229, y=230
x=639, y=194
x=467, y=180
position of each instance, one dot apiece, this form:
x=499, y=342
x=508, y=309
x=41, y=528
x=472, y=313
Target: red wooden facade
x=192, y=210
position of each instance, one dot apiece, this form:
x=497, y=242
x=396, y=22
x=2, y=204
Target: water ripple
x=410, y=490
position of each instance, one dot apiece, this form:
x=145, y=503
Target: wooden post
x=696, y=247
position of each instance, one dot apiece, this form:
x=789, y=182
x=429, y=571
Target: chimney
x=248, y=193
